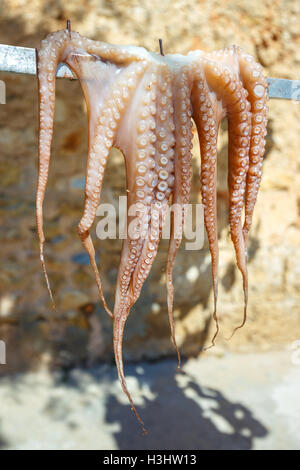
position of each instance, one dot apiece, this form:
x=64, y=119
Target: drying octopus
x=143, y=103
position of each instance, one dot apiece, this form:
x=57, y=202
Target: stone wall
x=81, y=333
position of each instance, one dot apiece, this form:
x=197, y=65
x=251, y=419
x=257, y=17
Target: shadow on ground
x=85, y=408
x=183, y=417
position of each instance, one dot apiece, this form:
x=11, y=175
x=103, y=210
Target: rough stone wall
x=82, y=332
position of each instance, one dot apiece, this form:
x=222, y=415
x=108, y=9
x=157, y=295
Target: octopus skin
x=143, y=104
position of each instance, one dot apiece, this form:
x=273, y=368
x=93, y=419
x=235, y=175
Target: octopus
x=144, y=104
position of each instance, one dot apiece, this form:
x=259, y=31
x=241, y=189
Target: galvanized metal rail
x=23, y=60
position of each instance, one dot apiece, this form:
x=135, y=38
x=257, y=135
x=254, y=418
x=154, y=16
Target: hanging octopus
x=143, y=104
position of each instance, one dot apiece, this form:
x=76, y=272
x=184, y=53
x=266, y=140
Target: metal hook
x=69, y=27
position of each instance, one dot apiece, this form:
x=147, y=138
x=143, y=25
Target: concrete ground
x=249, y=401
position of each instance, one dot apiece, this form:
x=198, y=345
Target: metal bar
x=284, y=89
x=23, y=60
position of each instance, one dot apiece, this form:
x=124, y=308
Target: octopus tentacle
x=112, y=53
x=103, y=112
x=104, y=117
x=207, y=113
x=160, y=182
x=136, y=139
x=234, y=98
x=163, y=141
x=182, y=184
x=118, y=333
x=250, y=73
x=48, y=57
x=163, y=181
x=256, y=85
x=92, y=77
x=56, y=47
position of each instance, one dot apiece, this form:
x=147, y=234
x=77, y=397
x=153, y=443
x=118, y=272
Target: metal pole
x=23, y=60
